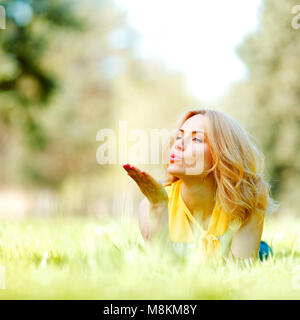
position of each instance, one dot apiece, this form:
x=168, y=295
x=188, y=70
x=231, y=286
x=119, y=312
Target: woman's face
x=190, y=152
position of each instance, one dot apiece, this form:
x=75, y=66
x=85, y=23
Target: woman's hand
x=153, y=209
x=152, y=189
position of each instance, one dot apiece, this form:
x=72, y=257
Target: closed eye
x=194, y=139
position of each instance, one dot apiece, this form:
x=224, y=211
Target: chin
x=175, y=170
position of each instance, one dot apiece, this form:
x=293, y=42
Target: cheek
x=195, y=154
x=198, y=150
x=202, y=152
x=208, y=155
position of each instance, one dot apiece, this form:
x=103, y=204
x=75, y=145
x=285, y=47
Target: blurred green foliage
x=68, y=69
x=25, y=79
x=267, y=101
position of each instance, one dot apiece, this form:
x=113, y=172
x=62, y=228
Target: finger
x=132, y=170
x=137, y=176
x=135, y=173
x=127, y=167
x=148, y=185
x=146, y=188
x=150, y=182
x=150, y=179
x=136, y=170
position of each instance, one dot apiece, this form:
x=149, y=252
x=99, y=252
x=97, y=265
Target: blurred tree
x=270, y=94
x=102, y=81
x=25, y=81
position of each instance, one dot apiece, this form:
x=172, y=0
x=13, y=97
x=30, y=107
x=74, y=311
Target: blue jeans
x=265, y=251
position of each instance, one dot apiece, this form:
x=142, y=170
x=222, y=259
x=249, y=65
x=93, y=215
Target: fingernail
x=143, y=172
x=126, y=166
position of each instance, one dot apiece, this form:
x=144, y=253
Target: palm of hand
x=151, y=188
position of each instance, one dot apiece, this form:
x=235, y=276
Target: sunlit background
x=71, y=68
x=197, y=38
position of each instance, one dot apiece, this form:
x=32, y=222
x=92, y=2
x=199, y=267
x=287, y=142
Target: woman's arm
x=153, y=209
x=245, y=242
x=152, y=218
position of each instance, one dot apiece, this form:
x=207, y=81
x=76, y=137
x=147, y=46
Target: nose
x=179, y=146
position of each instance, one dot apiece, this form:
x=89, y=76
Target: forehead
x=195, y=123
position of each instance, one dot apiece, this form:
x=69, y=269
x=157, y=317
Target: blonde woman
x=215, y=188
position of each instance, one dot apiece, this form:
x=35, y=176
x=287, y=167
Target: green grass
x=81, y=258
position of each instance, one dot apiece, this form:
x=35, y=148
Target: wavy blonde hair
x=238, y=166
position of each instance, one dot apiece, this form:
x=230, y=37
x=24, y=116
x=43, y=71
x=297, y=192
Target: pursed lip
x=174, y=157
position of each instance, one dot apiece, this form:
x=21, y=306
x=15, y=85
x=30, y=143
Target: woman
x=215, y=189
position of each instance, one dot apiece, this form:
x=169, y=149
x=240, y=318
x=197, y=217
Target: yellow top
x=182, y=231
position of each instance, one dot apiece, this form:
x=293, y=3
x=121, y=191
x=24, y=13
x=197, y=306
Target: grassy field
x=78, y=258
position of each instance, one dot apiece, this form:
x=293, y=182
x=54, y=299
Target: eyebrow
x=202, y=131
